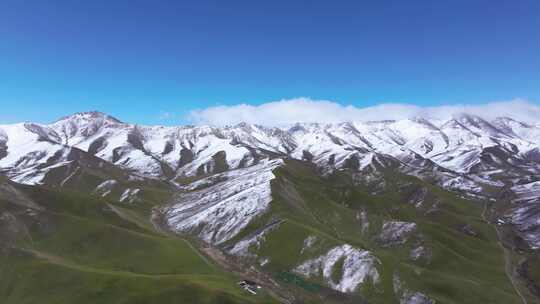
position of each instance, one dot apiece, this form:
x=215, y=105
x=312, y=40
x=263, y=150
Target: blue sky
x=140, y=59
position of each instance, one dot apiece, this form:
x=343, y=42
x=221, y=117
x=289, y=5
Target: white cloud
x=289, y=111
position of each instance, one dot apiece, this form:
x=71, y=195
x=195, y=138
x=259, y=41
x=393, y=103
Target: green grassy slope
x=85, y=248
x=26, y=279
x=462, y=268
x=78, y=250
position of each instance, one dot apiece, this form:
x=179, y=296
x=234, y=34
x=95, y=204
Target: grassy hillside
x=27, y=279
x=70, y=246
x=465, y=263
x=74, y=248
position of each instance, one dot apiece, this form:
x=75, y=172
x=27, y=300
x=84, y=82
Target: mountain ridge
x=107, y=137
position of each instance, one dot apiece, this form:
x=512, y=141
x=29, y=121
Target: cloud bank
x=290, y=111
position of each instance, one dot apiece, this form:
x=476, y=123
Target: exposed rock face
x=395, y=233
x=469, y=230
x=3, y=144
x=417, y=198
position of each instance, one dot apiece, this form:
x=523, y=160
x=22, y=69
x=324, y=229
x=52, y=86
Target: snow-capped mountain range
x=467, y=150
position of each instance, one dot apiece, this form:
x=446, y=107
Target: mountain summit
x=89, y=116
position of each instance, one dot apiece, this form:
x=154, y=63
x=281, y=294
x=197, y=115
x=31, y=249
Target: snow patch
x=396, y=232
x=105, y=187
x=129, y=195
x=242, y=248
x=264, y=261
x=527, y=192
x=220, y=211
x=409, y=297
x=526, y=219
x=362, y=216
x=358, y=266
x=420, y=252
x=308, y=243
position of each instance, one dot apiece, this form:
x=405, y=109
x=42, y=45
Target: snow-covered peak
x=75, y=128
x=527, y=132
x=89, y=116
x=28, y=152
